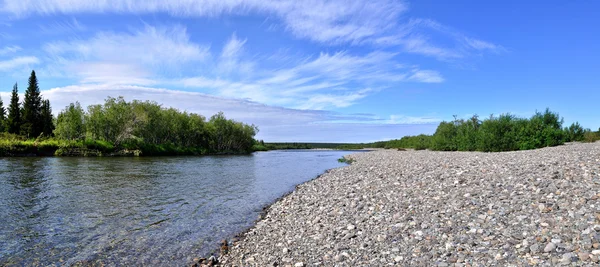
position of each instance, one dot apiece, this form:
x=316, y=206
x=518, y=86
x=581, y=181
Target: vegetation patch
x=345, y=160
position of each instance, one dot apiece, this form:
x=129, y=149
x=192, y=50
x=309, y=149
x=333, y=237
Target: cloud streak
x=18, y=62
x=9, y=49
x=153, y=55
x=138, y=57
x=335, y=22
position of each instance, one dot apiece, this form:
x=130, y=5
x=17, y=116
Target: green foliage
x=345, y=160
x=504, y=133
x=47, y=119
x=574, y=132
x=14, y=112
x=32, y=109
x=70, y=124
x=445, y=137
x=154, y=130
x=590, y=137
x=418, y=142
x=2, y=116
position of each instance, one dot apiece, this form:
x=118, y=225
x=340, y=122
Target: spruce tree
x=47, y=119
x=32, y=109
x=13, y=121
x=2, y=117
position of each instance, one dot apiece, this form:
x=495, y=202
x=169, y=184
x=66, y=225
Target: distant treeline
x=502, y=133
x=262, y=146
x=116, y=127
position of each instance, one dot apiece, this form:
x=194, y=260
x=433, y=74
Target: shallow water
x=126, y=211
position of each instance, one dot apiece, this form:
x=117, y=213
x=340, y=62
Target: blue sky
x=312, y=71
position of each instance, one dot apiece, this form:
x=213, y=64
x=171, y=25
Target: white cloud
x=483, y=45
x=276, y=124
x=323, y=21
x=426, y=76
x=9, y=49
x=331, y=22
x=134, y=58
x=430, y=38
x=230, y=61
x=18, y=62
x=403, y=119
x=327, y=81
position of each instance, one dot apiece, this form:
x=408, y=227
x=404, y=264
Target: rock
x=397, y=258
x=583, y=256
x=535, y=248
x=596, y=252
x=224, y=247
x=299, y=264
x=542, y=207
x=550, y=247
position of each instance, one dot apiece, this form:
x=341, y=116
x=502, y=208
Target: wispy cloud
x=403, y=119
x=71, y=26
x=326, y=81
x=153, y=56
x=323, y=21
x=377, y=22
x=17, y=63
x=9, y=49
x=135, y=58
x=430, y=38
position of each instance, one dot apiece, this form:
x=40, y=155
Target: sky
x=312, y=71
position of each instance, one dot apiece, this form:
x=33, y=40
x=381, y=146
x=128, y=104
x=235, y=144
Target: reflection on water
x=124, y=211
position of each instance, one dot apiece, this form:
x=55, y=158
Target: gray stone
x=550, y=247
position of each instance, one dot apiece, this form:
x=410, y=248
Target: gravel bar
x=424, y=208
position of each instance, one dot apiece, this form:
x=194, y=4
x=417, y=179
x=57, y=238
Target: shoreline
x=436, y=208
x=238, y=237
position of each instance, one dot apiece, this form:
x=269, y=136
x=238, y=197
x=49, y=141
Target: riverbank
x=417, y=208
x=96, y=148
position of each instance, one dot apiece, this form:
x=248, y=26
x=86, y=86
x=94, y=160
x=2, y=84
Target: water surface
x=131, y=211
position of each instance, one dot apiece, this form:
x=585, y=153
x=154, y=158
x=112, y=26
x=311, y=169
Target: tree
x=2, y=117
x=70, y=123
x=47, y=118
x=13, y=121
x=32, y=109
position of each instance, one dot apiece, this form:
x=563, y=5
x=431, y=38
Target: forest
x=116, y=127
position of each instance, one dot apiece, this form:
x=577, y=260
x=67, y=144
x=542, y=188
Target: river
x=159, y=211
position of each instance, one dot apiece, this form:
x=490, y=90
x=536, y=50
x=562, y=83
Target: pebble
x=583, y=256
x=428, y=208
x=550, y=247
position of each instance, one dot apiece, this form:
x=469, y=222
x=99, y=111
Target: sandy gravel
x=423, y=208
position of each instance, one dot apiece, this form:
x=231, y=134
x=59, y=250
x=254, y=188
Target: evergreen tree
x=2, y=117
x=32, y=109
x=47, y=119
x=13, y=122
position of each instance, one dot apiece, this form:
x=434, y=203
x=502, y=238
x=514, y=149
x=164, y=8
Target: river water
x=158, y=211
